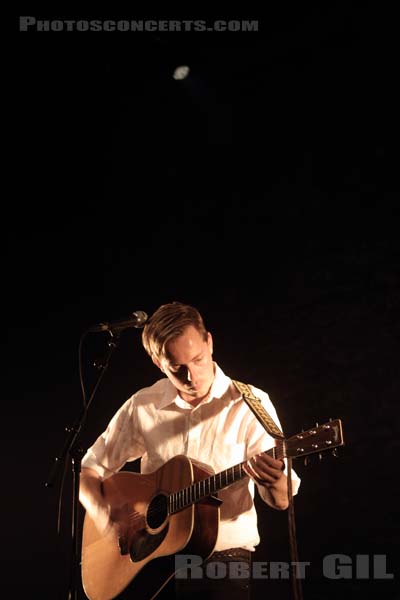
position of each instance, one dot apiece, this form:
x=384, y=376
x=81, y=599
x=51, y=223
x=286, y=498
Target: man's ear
x=210, y=342
x=157, y=363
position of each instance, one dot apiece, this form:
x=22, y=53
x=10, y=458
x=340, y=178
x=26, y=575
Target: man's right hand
x=91, y=497
x=101, y=516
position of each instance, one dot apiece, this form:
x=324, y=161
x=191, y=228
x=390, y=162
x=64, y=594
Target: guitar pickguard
x=145, y=543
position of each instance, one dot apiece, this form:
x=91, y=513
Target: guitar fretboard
x=214, y=483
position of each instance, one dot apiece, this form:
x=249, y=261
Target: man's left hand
x=264, y=469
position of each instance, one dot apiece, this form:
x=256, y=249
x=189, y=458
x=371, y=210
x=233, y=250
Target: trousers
x=225, y=574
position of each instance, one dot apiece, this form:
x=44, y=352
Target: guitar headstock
x=317, y=439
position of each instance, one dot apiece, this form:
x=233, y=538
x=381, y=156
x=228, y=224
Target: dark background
x=264, y=190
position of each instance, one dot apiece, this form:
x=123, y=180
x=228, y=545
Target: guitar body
x=149, y=535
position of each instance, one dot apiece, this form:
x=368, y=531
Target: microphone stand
x=75, y=452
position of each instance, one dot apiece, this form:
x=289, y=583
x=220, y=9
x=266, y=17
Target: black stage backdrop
x=262, y=188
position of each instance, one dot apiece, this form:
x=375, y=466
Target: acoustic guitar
x=172, y=510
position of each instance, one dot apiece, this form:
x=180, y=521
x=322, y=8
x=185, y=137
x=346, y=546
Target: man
x=195, y=411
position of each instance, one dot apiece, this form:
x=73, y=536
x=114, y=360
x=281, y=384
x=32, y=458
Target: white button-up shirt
x=156, y=424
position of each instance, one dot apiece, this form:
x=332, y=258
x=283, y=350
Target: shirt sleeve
x=119, y=443
x=260, y=441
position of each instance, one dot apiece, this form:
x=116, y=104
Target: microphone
x=137, y=319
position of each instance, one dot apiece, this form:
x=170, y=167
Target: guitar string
x=205, y=487
x=181, y=499
x=176, y=501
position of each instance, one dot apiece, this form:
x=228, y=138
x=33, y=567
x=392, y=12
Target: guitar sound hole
x=157, y=511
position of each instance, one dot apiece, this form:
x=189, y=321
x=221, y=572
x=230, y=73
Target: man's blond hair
x=167, y=323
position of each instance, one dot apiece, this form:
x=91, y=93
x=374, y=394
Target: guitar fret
x=210, y=485
x=206, y=487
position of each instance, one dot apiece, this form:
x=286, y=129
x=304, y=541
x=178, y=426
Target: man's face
x=188, y=364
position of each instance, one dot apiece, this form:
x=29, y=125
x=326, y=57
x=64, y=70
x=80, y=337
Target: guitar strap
x=258, y=409
x=255, y=405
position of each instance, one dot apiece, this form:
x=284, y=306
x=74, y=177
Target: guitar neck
x=211, y=485
x=318, y=439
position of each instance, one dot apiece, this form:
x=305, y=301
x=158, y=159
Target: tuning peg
x=320, y=456
x=335, y=452
x=316, y=425
x=306, y=461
